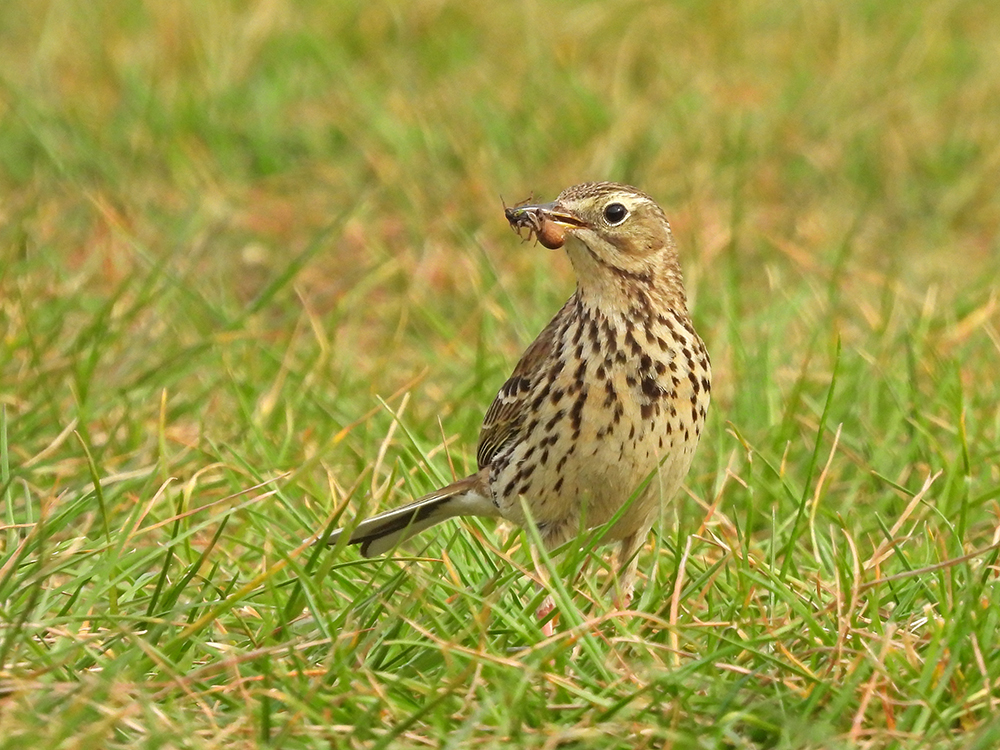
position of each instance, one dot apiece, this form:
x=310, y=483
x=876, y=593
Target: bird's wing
x=505, y=419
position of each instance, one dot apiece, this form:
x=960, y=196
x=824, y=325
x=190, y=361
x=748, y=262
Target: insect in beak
x=545, y=222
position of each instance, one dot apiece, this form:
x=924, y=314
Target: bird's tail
x=381, y=533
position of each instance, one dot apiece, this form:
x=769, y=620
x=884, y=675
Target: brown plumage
x=613, y=392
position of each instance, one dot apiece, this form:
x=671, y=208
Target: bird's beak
x=546, y=222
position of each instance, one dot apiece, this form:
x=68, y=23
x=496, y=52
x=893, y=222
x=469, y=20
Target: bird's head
x=616, y=236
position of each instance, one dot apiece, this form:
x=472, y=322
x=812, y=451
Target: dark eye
x=615, y=213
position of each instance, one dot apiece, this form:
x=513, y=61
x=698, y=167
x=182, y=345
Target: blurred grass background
x=254, y=271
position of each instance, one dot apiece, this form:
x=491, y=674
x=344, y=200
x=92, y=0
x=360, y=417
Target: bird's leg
x=548, y=604
x=553, y=535
x=623, y=582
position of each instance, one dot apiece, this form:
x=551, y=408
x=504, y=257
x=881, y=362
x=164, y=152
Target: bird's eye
x=615, y=214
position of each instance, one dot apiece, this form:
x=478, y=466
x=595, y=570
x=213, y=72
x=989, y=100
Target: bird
x=604, y=409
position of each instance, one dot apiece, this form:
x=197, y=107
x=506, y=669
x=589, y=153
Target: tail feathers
x=381, y=533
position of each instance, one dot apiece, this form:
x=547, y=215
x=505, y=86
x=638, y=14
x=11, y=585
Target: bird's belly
x=609, y=416
x=582, y=472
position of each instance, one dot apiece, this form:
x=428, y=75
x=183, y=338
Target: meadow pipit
x=611, y=394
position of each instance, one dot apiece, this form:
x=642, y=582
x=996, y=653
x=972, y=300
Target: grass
x=255, y=279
